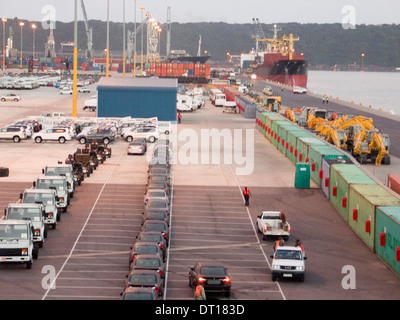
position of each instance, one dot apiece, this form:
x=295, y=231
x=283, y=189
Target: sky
x=229, y=11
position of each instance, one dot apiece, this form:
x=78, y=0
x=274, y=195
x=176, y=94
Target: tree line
x=321, y=44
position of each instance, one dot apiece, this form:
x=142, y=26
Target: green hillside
x=321, y=44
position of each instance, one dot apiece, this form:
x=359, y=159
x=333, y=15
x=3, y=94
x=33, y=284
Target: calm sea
x=375, y=89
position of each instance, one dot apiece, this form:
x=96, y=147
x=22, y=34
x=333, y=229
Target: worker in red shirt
x=179, y=117
x=246, y=195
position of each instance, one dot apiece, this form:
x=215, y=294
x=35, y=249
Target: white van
x=164, y=127
x=184, y=103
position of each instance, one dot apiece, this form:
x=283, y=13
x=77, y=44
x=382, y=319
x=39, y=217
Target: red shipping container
x=394, y=183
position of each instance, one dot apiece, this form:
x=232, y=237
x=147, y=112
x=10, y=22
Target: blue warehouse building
x=137, y=98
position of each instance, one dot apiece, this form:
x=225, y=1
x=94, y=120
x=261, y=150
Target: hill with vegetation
x=321, y=44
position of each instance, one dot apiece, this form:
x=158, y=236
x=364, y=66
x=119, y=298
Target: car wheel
x=61, y=140
x=16, y=139
x=166, y=132
x=3, y=100
x=129, y=139
x=106, y=141
x=152, y=139
x=29, y=264
x=82, y=140
x=38, y=139
x=16, y=100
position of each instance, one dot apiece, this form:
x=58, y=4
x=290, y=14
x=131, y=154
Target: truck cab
x=48, y=198
x=62, y=170
x=288, y=262
x=273, y=224
x=33, y=212
x=16, y=242
x=59, y=184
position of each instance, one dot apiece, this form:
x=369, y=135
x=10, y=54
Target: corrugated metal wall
x=138, y=98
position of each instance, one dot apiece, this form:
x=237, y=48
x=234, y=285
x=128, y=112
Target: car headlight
x=24, y=252
x=37, y=232
x=299, y=268
x=276, y=266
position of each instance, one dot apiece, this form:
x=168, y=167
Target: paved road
x=89, y=248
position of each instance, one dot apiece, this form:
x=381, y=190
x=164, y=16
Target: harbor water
x=379, y=90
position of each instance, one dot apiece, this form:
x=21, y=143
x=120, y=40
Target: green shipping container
x=342, y=176
x=387, y=235
x=283, y=133
x=269, y=118
x=316, y=155
x=364, y=199
x=303, y=145
x=282, y=136
x=292, y=139
x=275, y=128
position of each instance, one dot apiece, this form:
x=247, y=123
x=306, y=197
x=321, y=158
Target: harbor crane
x=89, y=33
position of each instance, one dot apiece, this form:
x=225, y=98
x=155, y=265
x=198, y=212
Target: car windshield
x=138, y=296
x=143, y=278
x=288, y=254
x=147, y=263
x=146, y=249
x=13, y=231
x=157, y=204
x=20, y=213
x=45, y=198
x=156, y=194
x=155, y=227
x=151, y=237
x=56, y=171
x=156, y=215
x=213, y=271
x=47, y=183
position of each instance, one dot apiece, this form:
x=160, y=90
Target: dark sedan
x=214, y=278
x=146, y=278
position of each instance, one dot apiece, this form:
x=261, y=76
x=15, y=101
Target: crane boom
x=89, y=33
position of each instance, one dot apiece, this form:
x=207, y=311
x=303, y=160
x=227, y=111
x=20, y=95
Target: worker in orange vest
x=299, y=244
x=179, y=117
x=199, y=293
x=278, y=243
x=246, y=194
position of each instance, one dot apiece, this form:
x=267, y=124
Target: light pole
x=33, y=46
x=134, y=45
x=21, y=24
x=141, y=48
x=108, y=38
x=362, y=61
x=124, y=45
x=4, y=42
x=75, y=77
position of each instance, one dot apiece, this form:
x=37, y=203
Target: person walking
x=179, y=117
x=246, y=194
x=199, y=293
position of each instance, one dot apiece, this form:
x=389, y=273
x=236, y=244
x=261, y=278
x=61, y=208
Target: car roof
x=25, y=205
x=12, y=221
x=39, y=191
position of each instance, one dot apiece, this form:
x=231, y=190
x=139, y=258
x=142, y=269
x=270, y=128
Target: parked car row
x=149, y=252
x=25, y=227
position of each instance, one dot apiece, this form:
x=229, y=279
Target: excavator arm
x=377, y=144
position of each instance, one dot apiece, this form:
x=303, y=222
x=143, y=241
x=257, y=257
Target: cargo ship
x=276, y=60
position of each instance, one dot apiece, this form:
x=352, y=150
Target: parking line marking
x=86, y=222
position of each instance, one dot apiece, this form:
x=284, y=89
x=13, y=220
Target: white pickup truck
x=288, y=262
x=274, y=224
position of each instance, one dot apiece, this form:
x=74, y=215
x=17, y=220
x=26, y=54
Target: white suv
x=15, y=134
x=151, y=134
x=53, y=134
